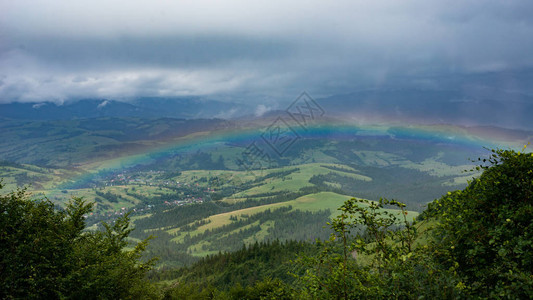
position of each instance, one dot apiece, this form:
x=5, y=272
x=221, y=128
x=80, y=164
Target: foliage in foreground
x=474, y=243
x=485, y=231
x=46, y=254
x=262, y=266
x=480, y=243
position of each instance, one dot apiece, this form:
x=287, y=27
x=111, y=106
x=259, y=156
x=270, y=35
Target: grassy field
x=439, y=169
x=379, y=158
x=297, y=179
x=149, y=165
x=32, y=177
x=119, y=192
x=313, y=202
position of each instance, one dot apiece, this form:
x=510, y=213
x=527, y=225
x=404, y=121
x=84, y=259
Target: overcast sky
x=257, y=50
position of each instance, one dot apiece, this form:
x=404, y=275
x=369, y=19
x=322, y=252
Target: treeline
x=195, y=225
x=113, y=198
x=304, y=225
x=474, y=243
x=397, y=183
x=23, y=179
x=282, y=224
x=164, y=249
x=244, y=266
x=279, y=174
x=285, y=225
x=341, y=169
x=175, y=217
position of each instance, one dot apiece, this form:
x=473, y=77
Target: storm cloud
x=61, y=50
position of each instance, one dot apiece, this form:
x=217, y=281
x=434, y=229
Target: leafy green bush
x=372, y=255
x=485, y=232
x=480, y=243
x=47, y=254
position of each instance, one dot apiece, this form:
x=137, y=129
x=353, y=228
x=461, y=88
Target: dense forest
x=470, y=243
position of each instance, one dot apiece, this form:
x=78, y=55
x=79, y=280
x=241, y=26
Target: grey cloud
x=158, y=51
x=52, y=50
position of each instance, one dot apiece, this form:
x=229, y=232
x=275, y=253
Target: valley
x=183, y=181
x=266, y=150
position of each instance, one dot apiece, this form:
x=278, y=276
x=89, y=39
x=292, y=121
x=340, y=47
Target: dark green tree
x=46, y=253
x=371, y=254
x=485, y=232
x=476, y=243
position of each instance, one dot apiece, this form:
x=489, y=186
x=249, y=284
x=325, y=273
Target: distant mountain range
x=470, y=107
x=467, y=108
x=179, y=108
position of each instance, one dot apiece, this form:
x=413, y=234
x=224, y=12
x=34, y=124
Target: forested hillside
x=475, y=242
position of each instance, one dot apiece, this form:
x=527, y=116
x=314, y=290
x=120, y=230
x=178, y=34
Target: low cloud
x=38, y=105
x=227, y=114
x=103, y=104
x=261, y=109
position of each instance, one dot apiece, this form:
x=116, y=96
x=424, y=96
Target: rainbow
x=242, y=137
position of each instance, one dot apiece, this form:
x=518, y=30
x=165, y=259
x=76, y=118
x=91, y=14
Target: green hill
x=470, y=243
